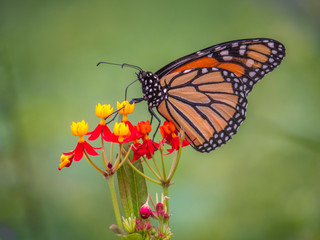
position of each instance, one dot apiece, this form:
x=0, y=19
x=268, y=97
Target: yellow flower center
x=79, y=128
x=121, y=130
x=104, y=110
x=125, y=109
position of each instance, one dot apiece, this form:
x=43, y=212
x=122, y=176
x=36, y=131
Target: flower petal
x=95, y=133
x=89, y=149
x=78, y=152
x=69, y=153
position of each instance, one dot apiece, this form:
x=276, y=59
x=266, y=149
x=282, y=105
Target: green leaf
x=120, y=233
x=133, y=236
x=132, y=188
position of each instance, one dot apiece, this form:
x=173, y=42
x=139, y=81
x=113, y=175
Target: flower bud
x=109, y=165
x=138, y=221
x=139, y=228
x=147, y=225
x=161, y=213
x=145, y=211
x=159, y=206
x=166, y=217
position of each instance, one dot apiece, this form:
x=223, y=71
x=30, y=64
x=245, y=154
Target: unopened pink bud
x=166, y=216
x=145, y=211
x=159, y=206
x=148, y=225
x=139, y=228
x=161, y=213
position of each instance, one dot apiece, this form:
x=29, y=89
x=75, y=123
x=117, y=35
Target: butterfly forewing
x=249, y=59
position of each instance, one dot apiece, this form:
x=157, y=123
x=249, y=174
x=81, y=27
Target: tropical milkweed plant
x=131, y=150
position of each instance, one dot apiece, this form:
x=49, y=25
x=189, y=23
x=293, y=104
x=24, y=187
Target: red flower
x=102, y=111
x=78, y=129
x=148, y=147
x=170, y=136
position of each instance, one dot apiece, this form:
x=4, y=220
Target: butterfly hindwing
x=207, y=103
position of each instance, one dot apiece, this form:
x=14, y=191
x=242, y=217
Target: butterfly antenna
x=132, y=66
x=122, y=65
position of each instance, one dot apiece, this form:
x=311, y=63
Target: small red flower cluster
x=148, y=147
x=159, y=214
x=123, y=132
x=170, y=136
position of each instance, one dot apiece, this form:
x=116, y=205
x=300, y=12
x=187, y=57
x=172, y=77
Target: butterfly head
x=152, y=90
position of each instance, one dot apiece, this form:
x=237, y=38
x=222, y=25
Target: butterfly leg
x=153, y=114
x=116, y=114
x=136, y=100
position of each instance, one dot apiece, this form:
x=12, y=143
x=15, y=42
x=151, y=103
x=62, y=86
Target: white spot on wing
x=204, y=70
x=271, y=44
x=225, y=52
x=252, y=74
x=249, y=63
x=227, y=58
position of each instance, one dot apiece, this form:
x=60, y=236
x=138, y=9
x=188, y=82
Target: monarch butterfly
x=205, y=93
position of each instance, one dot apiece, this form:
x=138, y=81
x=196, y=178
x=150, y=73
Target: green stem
x=157, y=167
x=142, y=174
x=163, y=166
x=116, y=163
x=114, y=201
x=175, y=162
x=104, y=156
x=95, y=166
x=154, y=172
x=124, y=159
x=111, y=152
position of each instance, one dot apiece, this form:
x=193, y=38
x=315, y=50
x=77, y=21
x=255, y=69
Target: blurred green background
x=264, y=184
